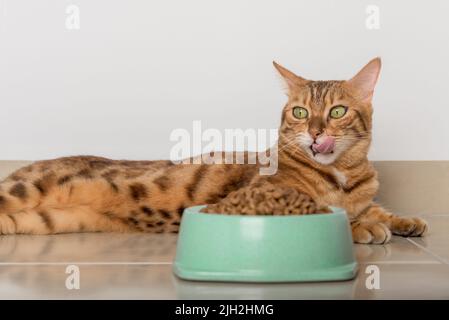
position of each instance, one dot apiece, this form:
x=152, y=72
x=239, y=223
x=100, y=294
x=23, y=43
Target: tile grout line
x=442, y=260
x=424, y=215
x=400, y=262
x=113, y=263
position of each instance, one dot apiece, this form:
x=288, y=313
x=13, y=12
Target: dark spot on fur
x=2, y=201
x=133, y=221
x=175, y=223
x=45, y=168
x=85, y=173
x=71, y=190
x=110, y=215
x=165, y=214
x=18, y=190
x=232, y=185
x=110, y=174
x=40, y=186
x=11, y=217
x=163, y=182
x=133, y=173
x=128, y=163
x=213, y=198
x=16, y=177
x=197, y=177
x=180, y=211
x=112, y=184
x=138, y=191
x=160, y=223
x=148, y=211
x=44, y=184
x=150, y=225
x=364, y=180
x=47, y=220
x=64, y=179
x=99, y=164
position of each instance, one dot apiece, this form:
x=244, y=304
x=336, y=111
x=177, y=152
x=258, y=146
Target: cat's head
x=327, y=120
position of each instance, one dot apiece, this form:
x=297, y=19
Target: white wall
x=135, y=70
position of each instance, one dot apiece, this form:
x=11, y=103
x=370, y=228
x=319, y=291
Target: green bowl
x=215, y=247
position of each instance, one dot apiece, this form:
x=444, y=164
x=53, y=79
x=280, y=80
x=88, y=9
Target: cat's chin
x=323, y=158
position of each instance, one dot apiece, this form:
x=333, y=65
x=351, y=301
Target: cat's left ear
x=291, y=80
x=365, y=80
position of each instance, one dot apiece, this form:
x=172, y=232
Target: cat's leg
x=370, y=232
x=376, y=224
x=43, y=221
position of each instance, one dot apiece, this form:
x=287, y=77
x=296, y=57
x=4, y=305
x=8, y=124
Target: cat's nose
x=315, y=133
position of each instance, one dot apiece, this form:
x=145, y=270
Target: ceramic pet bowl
x=216, y=247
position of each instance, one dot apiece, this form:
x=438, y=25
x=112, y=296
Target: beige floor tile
x=397, y=281
x=88, y=247
x=96, y=282
x=104, y=247
x=401, y=274
x=398, y=250
x=149, y=282
x=407, y=281
x=313, y=290
x=437, y=241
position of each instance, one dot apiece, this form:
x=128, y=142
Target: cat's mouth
x=314, y=153
x=323, y=145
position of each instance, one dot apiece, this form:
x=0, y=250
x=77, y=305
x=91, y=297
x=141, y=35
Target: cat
x=324, y=137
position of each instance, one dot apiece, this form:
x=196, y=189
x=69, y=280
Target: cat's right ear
x=291, y=80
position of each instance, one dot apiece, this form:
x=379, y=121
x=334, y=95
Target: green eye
x=300, y=112
x=338, y=112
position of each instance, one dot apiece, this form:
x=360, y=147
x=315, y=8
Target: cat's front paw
x=367, y=233
x=409, y=227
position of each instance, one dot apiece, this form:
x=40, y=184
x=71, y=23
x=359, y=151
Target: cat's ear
x=365, y=80
x=291, y=80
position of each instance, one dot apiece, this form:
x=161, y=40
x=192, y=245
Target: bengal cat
x=324, y=137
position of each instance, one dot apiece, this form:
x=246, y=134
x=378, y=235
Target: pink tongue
x=326, y=146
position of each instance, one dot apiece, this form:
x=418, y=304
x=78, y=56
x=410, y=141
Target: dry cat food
x=266, y=200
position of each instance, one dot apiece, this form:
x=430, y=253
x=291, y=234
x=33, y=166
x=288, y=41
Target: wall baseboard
x=414, y=187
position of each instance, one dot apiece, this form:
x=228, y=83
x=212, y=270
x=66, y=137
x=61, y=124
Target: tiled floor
x=138, y=266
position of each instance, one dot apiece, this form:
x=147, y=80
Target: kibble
x=266, y=199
